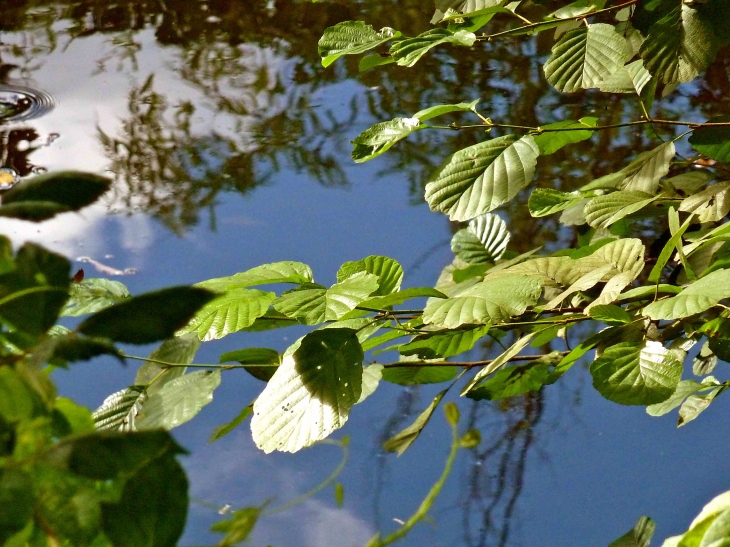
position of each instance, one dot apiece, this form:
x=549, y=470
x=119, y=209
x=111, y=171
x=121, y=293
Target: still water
x=229, y=147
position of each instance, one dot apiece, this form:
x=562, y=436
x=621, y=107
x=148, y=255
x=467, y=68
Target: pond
x=229, y=147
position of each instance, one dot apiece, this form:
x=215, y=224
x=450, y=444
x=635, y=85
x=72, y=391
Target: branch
x=467, y=364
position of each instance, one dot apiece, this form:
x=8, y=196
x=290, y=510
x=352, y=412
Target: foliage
x=646, y=278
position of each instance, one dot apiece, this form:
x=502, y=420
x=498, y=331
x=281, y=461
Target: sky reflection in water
x=229, y=146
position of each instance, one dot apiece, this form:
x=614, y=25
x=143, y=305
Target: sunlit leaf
x=147, y=318
x=579, y=7
x=276, y=272
x=351, y=38
x=685, y=388
x=639, y=536
x=311, y=393
x=483, y=303
x=711, y=204
x=610, y=314
x=230, y=312
x=546, y=201
x=441, y=109
x=635, y=374
x=119, y=410
x=371, y=376
x=699, y=296
x=443, y=344
x=181, y=350
x=389, y=272
x=586, y=56
x=393, y=299
x=316, y=305
x=378, y=139
x=223, y=430
x=631, y=78
x=511, y=381
x=643, y=174
x=550, y=141
x=407, y=52
x=484, y=241
x=695, y=404
x=498, y=363
x=482, y=177
x=404, y=439
x=603, y=211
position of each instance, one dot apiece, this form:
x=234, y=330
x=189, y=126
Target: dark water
x=229, y=146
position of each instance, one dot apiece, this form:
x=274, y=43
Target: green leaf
x=696, y=404
x=316, y=305
x=403, y=440
x=374, y=60
x=482, y=177
x=550, y=142
x=230, y=312
x=119, y=410
x=389, y=272
x=546, y=201
x=17, y=402
x=147, y=318
x=351, y=38
x=181, y=349
x=497, y=363
x=639, y=536
x=585, y=57
x=443, y=344
x=72, y=348
x=603, y=211
x=106, y=455
x=484, y=241
x=713, y=142
x=409, y=51
x=701, y=295
x=378, y=139
x=152, y=509
x=43, y=197
x=34, y=293
x=631, y=78
x=610, y=314
x=92, y=295
x=441, y=109
x=674, y=243
x=311, y=393
x=371, y=376
x=77, y=418
x=679, y=46
x=223, y=430
x=258, y=361
x=490, y=301
x=632, y=374
x=17, y=501
x=685, y=388
x=178, y=401
x=276, y=272
x=415, y=375
x=511, y=381
x=643, y=174
x=579, y=7
x=709, y=205
x=382, y=302
x=238, y=527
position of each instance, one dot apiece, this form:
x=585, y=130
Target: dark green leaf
x=72, y=348
x=258, y=361
x=17, y=502
x=351, y=38
x=379, y=138
x=401, y=441
x=153, y=507
x=713, y=142
x=415, y=375
x=179, y=350
x=443, y=344
x=550, y=142
x=511, y=381
x=639, y=536
x=223, y=430
x=238, y=527
x=147, y=318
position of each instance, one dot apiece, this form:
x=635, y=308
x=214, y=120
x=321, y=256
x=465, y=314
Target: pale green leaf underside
x=701, y=295
x=586, y=56
x=484, y=241
x=546, y=201
x=179, y=400
x=631, y=78
x=181, y=349
x=311, y=393
x=118, y=412
x=487, y=302
x=603, y=211
x=482, y=177
x=643, y=174
x=92, y=295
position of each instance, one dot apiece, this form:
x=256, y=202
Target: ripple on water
x=19, y=103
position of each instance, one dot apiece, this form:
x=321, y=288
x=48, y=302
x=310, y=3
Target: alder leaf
x=636, y=374
x=484, y=241
x=631, y=78
x=713, y=142
x=351, y=38
x=550, y=142
x=404, y=439
x=585, y=57
x=409, y=51
x=276, y=272
x=482, y=177
x=388, y=270
x=603, y=211
x=699, y=296
x=379, y=138
x=311, y=393
x=546, y=201
x=643, y=174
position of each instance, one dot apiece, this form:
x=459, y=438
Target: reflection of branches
x=496, y=477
